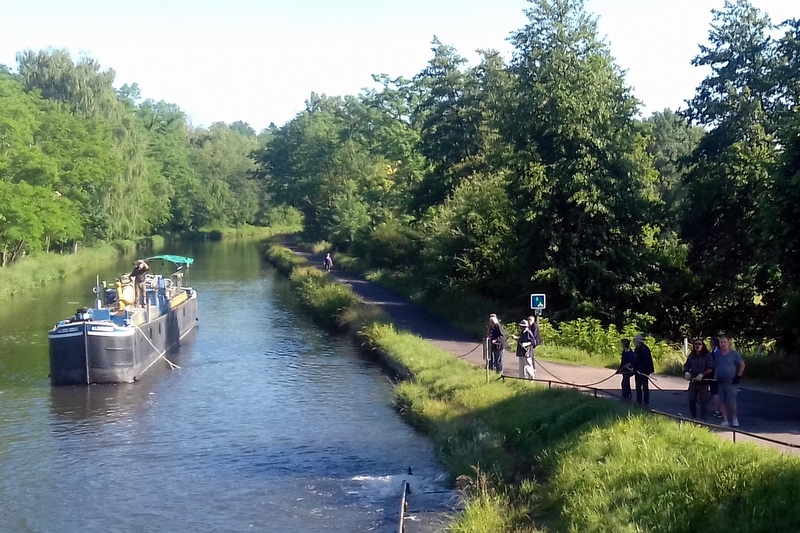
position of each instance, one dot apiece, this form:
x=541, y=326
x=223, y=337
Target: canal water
x=270, y=424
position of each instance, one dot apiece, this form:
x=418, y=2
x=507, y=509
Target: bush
x=390, y=245
x=284, y=216
x=283, y=258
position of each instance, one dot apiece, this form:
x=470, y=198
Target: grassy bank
x=39, y=268
x=556, y=460
x=216, y=234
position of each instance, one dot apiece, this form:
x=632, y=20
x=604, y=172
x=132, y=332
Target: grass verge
x=557, y=460
x=37, y=269
x=216, y=234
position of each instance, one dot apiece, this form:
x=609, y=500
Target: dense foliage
x=83, y=162
x=538, y=174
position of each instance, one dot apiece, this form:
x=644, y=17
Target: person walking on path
x=526, y=344
x=698, y=368
x=643, y=366
x=498, y=343
x=328, y=262
x=626, y=368
x=728, y=370
x=139, y=277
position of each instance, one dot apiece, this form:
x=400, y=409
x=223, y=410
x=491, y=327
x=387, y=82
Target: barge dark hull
x=96, y=352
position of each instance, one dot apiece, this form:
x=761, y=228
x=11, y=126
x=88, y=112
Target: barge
x=118, y=341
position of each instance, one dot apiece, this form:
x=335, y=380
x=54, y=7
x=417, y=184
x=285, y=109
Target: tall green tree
x=583, y=182
x=448, y=122
x=726, y=185
x=221, y=158
x=782, y=206
x=672, y=140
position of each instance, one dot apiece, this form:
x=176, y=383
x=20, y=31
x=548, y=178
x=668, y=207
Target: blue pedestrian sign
x=538, y=301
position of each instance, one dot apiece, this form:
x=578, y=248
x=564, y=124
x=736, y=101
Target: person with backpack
x=498, y=344
x=526, y=343
x=328, y=262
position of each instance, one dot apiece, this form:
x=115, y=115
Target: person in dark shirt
x=626, y=368
x=698, y=368
x=533, y=323
x=139, y=277
x=498, y=344
x=643, y=366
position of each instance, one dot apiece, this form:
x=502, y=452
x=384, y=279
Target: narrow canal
x=270, y=424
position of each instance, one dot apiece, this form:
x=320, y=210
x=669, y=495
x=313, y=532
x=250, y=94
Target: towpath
x=766, y=410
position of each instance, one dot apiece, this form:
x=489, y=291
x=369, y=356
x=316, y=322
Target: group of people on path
x=527, y=341
x=711, y=374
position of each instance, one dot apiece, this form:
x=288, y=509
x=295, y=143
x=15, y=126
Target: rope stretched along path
x=472, y=350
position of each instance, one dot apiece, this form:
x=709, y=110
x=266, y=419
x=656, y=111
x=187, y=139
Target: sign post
x=538, y=303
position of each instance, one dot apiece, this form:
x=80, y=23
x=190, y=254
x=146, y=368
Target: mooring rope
x=172, y=365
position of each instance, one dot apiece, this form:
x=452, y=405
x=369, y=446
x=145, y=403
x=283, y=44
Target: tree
x=221, y=156
x=741, y=54
x=782, y=205
x=672, y=139
x=467, y=238
x=448, y=122
x=582, y=183
x=727, y=182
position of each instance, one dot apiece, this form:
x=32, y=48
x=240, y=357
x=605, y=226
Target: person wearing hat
x=643, y=367
x=526, y=343
x=139, y=277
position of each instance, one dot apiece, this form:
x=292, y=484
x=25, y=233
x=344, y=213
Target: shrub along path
x=763, y=410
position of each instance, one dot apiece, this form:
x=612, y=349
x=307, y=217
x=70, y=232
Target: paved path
x=763, y=411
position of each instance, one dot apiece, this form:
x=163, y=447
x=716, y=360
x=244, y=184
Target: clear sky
x=258, y=60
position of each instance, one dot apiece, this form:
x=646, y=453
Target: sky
x=259, y=60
